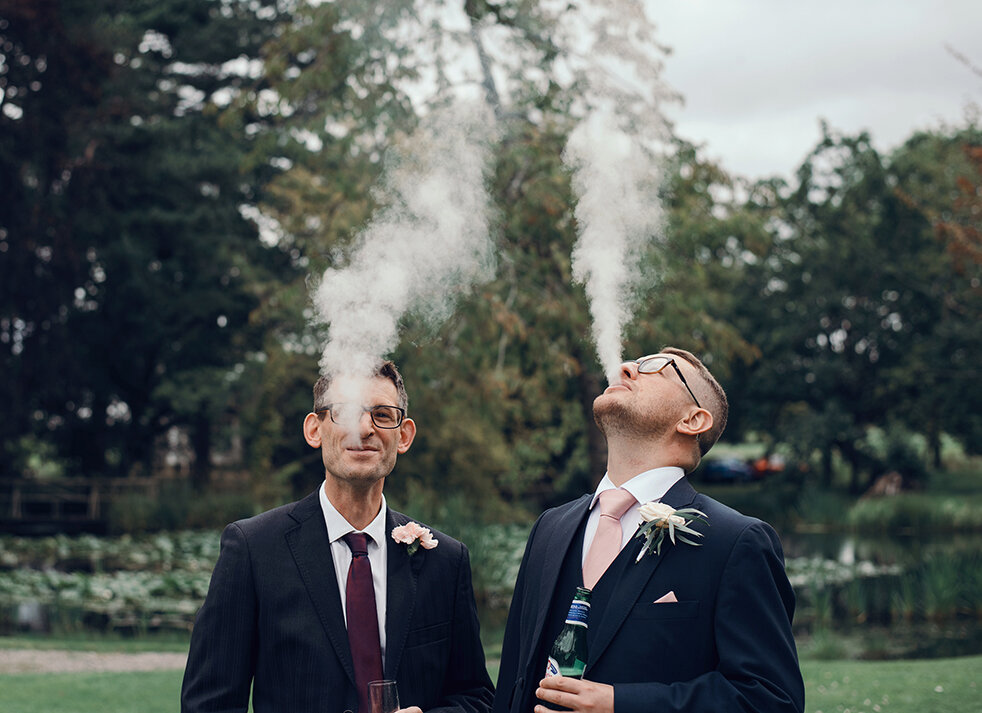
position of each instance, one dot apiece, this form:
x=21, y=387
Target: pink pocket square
x=666, y=599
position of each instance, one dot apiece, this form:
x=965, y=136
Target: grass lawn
x=925, y=686
x=143, y=692
x=103, y=643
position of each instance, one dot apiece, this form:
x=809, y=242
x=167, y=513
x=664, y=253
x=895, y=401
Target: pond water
x=905, y=549
x=910, y=595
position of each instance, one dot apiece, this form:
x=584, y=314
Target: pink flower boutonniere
x=413, y=535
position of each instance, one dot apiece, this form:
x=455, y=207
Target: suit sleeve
x=221, y=664
x=511, y=653
x=467, y=686
x=758, y=666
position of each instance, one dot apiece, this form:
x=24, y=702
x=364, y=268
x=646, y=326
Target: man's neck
x=627, y=457
x=358, y=506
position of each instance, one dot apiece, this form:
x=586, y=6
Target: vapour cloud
x=616, y=218
x=427, y=244
x=614, y=155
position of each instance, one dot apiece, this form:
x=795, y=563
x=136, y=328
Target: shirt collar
x=338, y=527
x=645, y=487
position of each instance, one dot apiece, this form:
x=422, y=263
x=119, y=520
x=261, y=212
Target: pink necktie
x=607, y=541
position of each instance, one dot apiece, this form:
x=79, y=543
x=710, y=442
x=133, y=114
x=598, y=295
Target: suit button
x=349, y=712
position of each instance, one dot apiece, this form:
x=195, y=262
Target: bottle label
x=574, y=671
x=552, y=667
x=579, y=612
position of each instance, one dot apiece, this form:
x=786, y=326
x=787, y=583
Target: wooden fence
x=65, y=505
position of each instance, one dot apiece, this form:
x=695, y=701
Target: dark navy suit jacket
x=726, y=645
x=272, y=622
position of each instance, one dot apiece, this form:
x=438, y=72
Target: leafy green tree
x=129, y=272
x=939, y=177
x=848, y=306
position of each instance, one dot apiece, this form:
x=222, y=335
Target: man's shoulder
x=567, y=515
x=445, y=543
x=721, y=510
x=280, y=517
x=560, y=511
x=731, y=523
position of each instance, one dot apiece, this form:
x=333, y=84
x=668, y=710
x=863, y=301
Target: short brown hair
x=711, y=396
x=386, y=370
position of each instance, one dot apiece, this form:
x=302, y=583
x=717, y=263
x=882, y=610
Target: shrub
x=177, y=507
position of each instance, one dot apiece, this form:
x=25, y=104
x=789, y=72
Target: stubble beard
x=360, y=477
x=614, y=417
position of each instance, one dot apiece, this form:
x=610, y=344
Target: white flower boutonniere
x=660, y=518
x=414, y=535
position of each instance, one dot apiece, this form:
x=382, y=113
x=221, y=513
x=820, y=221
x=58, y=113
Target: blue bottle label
x=579, y=612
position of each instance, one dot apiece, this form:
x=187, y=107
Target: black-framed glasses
x=382, y=416
x=655, y=364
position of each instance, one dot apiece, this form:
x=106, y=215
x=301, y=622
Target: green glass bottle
x=568, y=655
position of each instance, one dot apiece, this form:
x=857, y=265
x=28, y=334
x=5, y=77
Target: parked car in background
x=727, y=470
x=768, y=465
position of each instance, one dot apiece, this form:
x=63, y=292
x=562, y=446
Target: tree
x=850, y=304
x=939, y=177
x=131, y=275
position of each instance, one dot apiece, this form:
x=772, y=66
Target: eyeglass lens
x=382, y=416
x=653, y=365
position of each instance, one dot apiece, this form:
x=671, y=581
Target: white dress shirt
x=338, y=527
x=649, y=485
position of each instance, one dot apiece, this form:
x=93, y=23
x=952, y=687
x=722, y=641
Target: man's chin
x=361, y=478
x=607, y=411
x=611, y=398
x=614, y=416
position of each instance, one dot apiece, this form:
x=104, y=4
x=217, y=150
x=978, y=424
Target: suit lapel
x=311, y=550
x=400, y=598
x=558, y=542
x=631, y=577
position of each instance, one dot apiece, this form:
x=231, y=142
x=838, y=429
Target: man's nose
x=629, y=370
x=365, y=424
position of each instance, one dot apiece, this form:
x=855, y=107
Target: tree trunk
x=201, y=443
x=827, y=466
x=934, y=442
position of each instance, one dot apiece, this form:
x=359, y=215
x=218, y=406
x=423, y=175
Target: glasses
x=382, y=416
x=655, y=364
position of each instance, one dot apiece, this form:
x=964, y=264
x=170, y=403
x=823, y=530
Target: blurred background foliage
x=176, y=173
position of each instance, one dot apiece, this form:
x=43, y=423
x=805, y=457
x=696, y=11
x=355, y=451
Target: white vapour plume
x=429, y=242
x=616, y=218
x=615, y=170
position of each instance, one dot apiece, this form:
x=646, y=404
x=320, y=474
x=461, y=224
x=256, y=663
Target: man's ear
x=698, y=421
x=311, y=430
x=407, y=432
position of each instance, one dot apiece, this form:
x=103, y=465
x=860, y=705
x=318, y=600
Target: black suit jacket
x=726, y=645
x=272, y=622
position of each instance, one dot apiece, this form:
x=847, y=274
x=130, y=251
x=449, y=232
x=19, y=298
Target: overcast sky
x=758, y=75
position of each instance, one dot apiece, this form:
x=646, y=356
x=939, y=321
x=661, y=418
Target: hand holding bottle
x=575, y=695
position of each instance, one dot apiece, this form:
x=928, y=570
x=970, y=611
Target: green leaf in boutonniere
x=660, y=518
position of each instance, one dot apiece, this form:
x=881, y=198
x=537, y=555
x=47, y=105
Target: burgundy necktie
x=363, y=638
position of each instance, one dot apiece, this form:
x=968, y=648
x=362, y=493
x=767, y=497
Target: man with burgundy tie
x=312, y=600
x=701, y=628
